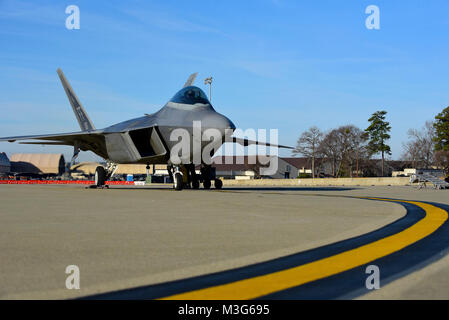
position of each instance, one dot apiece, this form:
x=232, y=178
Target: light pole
x=208, y=81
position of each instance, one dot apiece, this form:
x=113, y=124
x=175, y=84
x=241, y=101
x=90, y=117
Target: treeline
x=349, y=151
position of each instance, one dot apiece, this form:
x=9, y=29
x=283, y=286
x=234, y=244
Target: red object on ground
x=62, y=182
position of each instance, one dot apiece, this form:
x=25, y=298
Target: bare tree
x=343, y=148
x=419, y=150
x=308, y=145
x=330, y=149
x=352, y=148
x=411, y=153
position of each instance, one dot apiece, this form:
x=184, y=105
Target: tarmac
x=126, y=237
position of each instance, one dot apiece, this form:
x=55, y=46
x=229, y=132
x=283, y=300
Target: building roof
x=38, y=163
x=5, y=165
x=299, y=163
x=398, y=164
x=4, y=161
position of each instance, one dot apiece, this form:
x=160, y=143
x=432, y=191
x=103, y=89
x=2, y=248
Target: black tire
x=100, y=176
x=195, y=184
x=218, y=184
x=177, y=181
x=206, y=184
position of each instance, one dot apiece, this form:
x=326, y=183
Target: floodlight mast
x=208, y=81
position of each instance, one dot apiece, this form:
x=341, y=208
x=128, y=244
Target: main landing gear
x=100, y=176
x=186, y=177
x=103, y=174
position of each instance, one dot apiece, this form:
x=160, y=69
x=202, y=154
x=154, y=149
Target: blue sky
x=278, y=64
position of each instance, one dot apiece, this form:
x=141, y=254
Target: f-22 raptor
x=147, y=140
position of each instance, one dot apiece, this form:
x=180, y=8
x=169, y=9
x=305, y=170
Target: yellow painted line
x=281, y=280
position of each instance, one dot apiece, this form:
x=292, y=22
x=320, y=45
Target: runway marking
x=263, y=285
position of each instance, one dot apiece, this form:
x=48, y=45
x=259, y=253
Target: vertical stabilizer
x=80, y=114
x=190, y=80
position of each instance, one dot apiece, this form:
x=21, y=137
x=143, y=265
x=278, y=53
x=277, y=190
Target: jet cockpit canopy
x=190, y=95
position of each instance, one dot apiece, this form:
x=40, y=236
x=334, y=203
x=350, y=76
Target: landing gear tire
x=100, y=176
x=177, y=181
x=218, y=184
x=206, y=184
x=195, y=184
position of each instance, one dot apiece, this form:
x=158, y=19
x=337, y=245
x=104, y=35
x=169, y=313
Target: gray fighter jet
x=147, y=139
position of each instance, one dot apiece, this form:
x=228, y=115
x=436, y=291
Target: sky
x=276, y=64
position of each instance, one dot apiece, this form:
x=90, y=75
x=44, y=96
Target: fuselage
x=149, y=139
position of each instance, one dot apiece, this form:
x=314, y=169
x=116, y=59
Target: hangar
x=5, y=165
x=46, y=163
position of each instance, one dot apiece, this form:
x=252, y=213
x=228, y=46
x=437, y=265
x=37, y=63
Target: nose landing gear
x=177, y=175
x=186, y=177
x=177, y=181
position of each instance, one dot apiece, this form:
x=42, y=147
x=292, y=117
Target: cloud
x=169, y=22
x=32, y=12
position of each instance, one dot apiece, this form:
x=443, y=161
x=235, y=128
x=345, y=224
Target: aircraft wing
x=246, y=142
x=92, y=140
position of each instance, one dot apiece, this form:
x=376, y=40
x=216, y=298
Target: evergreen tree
x=378, y=135
x=441, y=139
x=441, y=126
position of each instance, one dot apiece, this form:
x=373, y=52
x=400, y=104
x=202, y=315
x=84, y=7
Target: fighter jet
x=148, y=139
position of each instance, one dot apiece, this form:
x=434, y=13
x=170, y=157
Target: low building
x=38, y=163
x=293, y=166
x=5, y=165
x=408, y=172
x=250, y=167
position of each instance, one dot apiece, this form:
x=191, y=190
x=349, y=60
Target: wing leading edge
x=86, y=141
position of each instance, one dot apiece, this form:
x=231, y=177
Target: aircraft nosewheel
x=177, y=181
x=100, y=176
